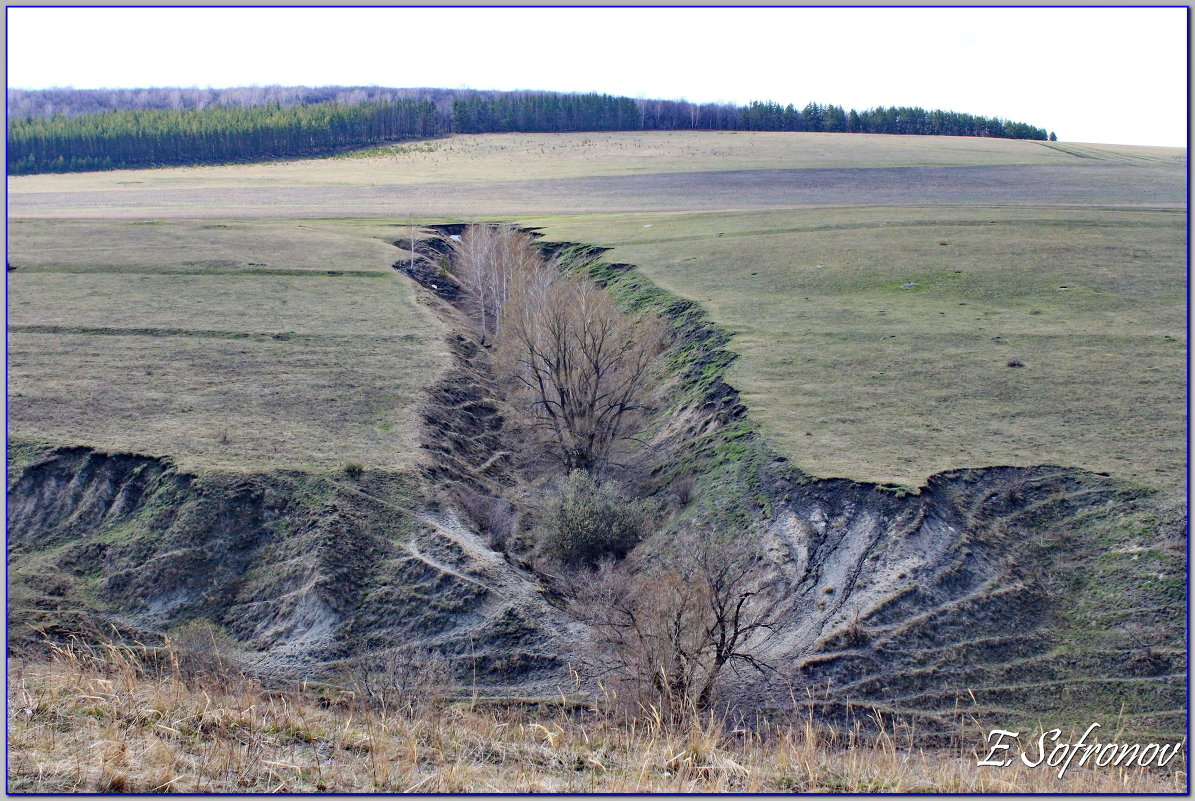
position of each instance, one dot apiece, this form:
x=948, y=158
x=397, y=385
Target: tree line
x=72, y=102
x=544, y=112
x=892, y=120
x=115, y=139
x=177, y=126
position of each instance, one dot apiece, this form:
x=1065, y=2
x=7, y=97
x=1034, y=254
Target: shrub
x=403, y=679
x=494, y=517
x=588, y=521
x=666, y=636
x=202, y=648
x=682, y=491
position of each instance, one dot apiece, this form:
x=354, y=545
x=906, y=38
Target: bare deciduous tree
x=666, y=637
x=581, y=368
x=490, y=261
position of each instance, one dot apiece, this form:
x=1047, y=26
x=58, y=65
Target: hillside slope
x=300, y=570
x=319, y=522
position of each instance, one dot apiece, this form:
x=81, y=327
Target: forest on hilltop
x=69, y=130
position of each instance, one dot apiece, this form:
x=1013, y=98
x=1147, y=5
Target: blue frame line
x=1187, y=371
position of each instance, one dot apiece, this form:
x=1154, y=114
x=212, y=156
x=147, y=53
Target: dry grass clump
x=126, y=719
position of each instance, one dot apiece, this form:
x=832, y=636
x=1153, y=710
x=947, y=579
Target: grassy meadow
x=226, y=345
x=878, y=288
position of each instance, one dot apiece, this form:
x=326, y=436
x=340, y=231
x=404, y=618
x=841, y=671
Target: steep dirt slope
x=299, y=569
x=1007, y=595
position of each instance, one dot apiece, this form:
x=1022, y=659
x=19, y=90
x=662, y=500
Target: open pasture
x=233, y=346
x=511, y=175
x=874, y=343
x=206, y=247
x=523, y=156
x=878, y=286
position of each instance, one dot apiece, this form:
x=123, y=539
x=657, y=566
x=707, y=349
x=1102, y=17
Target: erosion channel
x=1000, y=595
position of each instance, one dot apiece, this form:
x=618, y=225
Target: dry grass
x=886, y=333
x=252, y=346
x=1170, y=158
x=104, y=720
x=206, y=247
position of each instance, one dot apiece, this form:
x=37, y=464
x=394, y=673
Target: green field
x=230, y=345
x=874, y=343
x=878, y=287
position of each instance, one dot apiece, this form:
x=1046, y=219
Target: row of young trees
x=893, y=120
x=576, y=369
x=234, y=129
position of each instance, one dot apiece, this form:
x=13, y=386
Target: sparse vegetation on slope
x=303, y=571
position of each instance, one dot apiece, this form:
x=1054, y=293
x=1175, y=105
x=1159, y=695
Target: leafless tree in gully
x=489, y=262
x=668, y=636
x=579, y=370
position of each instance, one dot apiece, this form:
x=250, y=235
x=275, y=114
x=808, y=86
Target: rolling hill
x=939, y=381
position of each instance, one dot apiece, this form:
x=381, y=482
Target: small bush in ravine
x=682, y=491
x=202, y=648
x=490, y=515
x=588, y=521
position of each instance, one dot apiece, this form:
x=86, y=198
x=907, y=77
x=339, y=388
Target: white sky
x=1092, y=74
